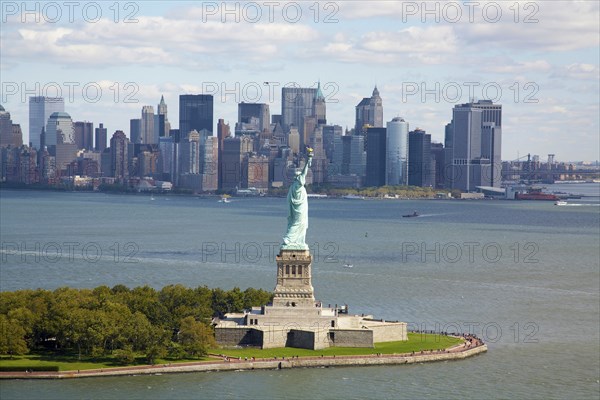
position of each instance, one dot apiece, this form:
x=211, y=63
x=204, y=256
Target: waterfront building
x=419, y=159
x=119, y=157
x=376, y=157
x=396, y=170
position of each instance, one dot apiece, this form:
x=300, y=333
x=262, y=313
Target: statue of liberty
x=297, y=199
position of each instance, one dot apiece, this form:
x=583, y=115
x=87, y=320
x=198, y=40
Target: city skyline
x=415, y=65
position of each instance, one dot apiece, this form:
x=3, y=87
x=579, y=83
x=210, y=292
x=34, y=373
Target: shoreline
x=455, y=353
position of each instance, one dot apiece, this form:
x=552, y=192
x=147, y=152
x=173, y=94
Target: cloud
x=427, y=45
x=579, y=71
x=153, y=41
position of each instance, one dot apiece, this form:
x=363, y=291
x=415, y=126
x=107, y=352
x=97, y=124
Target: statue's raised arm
x=295, y=237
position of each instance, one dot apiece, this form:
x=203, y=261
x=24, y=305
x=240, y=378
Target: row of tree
x=123, y=322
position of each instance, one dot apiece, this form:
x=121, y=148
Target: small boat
x=152, y=198
x=224, y=200
x=348, y=265
x=414, y=214
x=560, y=203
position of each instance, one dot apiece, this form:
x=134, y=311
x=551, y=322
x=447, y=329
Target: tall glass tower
x=40, y=109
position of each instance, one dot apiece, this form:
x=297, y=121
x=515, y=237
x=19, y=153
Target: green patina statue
x=295, y=237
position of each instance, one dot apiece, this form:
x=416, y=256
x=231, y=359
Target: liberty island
x=295, y=318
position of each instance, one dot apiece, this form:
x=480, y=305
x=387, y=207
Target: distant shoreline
x=456, y=353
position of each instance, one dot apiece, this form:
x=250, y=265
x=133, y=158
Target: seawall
x=234, y=365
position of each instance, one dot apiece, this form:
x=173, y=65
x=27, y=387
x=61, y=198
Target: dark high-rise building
x=376, y=157
x=419, y=159
x=260, y=111
x=101, y=136
x=234, y=151
x=330, y=132
x=276, y=119
x=195, y=112
x=473, y=146
x=467, y=165
x=119, y=157
x=223, y=132
x=369, y=112
x=135, y=130
x=84, y=134
x=438, y=154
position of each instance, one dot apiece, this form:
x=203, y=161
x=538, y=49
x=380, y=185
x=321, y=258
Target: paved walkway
x=472, y=346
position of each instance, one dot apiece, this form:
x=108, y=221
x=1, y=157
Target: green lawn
x=416, y=342
x=70, y=363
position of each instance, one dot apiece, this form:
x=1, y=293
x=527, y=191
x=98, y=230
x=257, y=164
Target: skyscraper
x=330, y=132
x=369, y=112
x=148, y=132
x=296, y=103
x=59, y=129
x=135, y=130
x=319, y=107
x=209, y=164
x=189, y=157
x=162, y=122
x=419, y=159
x=246, y=111
x=84, y=135
x=40, y=109
x=466, y=171
x=349, y=161
x=195, y=112
x=439, y=156
x=397, y=152
x=10, y=134
x=223, y=131
x=234, y=151
x=376, y=157
x=119, y=157
x=100, y=139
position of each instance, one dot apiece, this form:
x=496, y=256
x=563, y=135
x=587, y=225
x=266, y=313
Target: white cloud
x=153, y=41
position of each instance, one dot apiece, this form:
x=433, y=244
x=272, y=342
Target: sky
x=539, y=59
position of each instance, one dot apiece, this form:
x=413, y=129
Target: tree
x=195, y=337
x=12, y=337
x=124, y=356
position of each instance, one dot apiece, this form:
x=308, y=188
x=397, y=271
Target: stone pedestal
x=294, y=279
